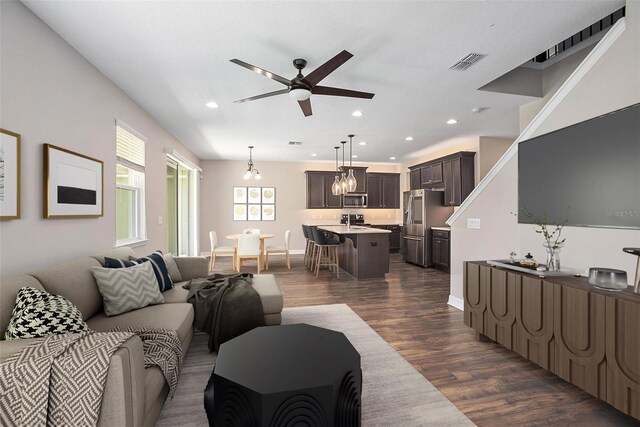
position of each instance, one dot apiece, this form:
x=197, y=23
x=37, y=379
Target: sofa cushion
x=74, y=281
x=9, y=288
x=177, y=294
x=126, y=289
x=172, y=268
x=37, y=313
x=123, y=252
x=178, y=317
x=156, y=261
x=267, y=287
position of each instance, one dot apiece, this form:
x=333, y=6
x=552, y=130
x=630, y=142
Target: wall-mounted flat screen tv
x=587, y=174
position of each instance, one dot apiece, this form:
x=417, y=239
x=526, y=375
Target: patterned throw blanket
x=60, y=379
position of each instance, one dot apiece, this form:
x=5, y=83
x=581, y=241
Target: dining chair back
x=249, y=249
x=282, y=250
x=251, y=231
x=218, y=250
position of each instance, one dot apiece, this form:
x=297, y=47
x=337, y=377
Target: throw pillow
x=172, y=268
x=126, y=289
x=37, y=313
x=156, y=260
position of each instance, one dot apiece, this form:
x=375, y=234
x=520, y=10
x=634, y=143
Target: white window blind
x=129, y=149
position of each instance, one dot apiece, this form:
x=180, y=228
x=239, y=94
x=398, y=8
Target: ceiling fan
x=302, y=87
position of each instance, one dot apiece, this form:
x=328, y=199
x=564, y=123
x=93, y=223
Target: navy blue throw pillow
x=157, y=262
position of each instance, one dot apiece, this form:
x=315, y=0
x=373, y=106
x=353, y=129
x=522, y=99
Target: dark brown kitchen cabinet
x=383, y=190
x=415, y=182
x=431, y=175
x=360, y=173
x=319, y=195
x=440, y=249
x=459, y=177
x=395, y=237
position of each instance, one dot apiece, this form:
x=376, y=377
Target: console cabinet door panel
x=475, y=280
x=623, y=355
x=500, y=324
x=579, y=330
x=534, y=319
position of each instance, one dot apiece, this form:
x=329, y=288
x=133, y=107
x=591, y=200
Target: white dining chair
x=280, y=250
x=218, y=250
x=251, y=231
x=248, y=248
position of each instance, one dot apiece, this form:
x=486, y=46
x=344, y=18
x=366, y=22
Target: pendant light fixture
x=344, y=187
x=335, y=187
x=251, y=171
x=352, y=184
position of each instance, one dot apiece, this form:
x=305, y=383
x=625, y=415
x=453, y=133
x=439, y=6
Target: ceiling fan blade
x=262, y=71
x=327, y=68
x=264, y=95
x=306, y=107
x=336, y=91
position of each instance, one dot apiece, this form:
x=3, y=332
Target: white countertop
x=355, y=229
x=441, y=228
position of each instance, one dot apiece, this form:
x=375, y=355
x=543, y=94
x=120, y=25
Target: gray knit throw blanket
x=60, y=379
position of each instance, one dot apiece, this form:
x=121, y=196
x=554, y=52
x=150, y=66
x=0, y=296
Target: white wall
x=289, y=179
x=51, y=94
x=612, y=83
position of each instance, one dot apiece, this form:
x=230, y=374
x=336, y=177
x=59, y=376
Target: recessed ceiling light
x=392, y=158
x=409, y=138
x=357, y=113
x=363, y=142
x=452, y=121
x=314, y=155
x=212, y=104
x=355, y=156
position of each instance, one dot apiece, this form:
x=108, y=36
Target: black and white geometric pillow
x=37, y=313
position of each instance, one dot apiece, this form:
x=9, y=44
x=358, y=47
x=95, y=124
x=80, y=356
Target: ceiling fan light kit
x=302, y=87
x=251, y=171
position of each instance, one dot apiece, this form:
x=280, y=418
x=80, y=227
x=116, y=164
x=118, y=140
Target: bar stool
x=309, y=244
x=311, y=259
x=330, y=247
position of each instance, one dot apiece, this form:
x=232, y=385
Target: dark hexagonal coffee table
x=286, y=376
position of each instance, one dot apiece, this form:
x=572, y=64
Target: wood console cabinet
x=586, y=336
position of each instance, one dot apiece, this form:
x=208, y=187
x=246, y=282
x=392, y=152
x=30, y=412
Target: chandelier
x=251, y=171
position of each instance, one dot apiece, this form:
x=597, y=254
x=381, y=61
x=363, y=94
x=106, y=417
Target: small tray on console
x=517, y=266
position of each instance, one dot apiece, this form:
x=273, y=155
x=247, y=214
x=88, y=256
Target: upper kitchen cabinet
x=319, y=195
x=454, y=173
x=383, y=190
x=459, y=178
x=361, y=177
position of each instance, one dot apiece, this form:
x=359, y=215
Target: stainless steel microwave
x=354, y=200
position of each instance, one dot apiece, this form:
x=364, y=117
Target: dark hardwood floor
x=491, y=385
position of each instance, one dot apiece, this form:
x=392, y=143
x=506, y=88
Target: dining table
x=263, y=237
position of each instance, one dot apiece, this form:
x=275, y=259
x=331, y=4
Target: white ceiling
x=172, y=57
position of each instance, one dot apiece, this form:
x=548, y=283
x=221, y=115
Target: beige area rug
x=393, y=392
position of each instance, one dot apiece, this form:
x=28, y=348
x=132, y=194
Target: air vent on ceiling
x=295, y=142
x=467, y=61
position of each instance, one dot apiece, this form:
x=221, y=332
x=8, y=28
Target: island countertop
x=354, y=229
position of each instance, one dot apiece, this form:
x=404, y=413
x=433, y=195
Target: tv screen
x=587, y=174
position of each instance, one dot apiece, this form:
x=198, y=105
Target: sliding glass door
x=181, y=216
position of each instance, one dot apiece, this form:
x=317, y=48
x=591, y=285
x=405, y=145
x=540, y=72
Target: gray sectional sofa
x=133, y=395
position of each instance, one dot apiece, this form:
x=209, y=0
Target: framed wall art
x=254, y=203
x=73, y=184
x=9, y=175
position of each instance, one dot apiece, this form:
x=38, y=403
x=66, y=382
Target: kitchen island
x=364, y=251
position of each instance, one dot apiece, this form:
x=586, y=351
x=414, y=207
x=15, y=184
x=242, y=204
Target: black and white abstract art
x=74, y=184
x=9, y=175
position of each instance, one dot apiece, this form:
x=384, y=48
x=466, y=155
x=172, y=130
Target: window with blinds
x=130, y=181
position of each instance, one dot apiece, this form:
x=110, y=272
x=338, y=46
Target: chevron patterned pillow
x=37, y=313
x=126, y=289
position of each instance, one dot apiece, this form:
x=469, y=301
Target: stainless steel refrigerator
x=422, y=209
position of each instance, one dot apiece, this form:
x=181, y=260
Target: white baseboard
x=296, y=251
x=456, y=302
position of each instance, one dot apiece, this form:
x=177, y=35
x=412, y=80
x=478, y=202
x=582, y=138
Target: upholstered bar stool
x=328, y=248
x=308, y=244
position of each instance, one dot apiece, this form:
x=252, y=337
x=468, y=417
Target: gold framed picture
x=9, y=175
x=73, y=184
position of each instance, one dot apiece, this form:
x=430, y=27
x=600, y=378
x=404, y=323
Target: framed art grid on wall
x=73, y=184
x=254, y=203
x=9, y=175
